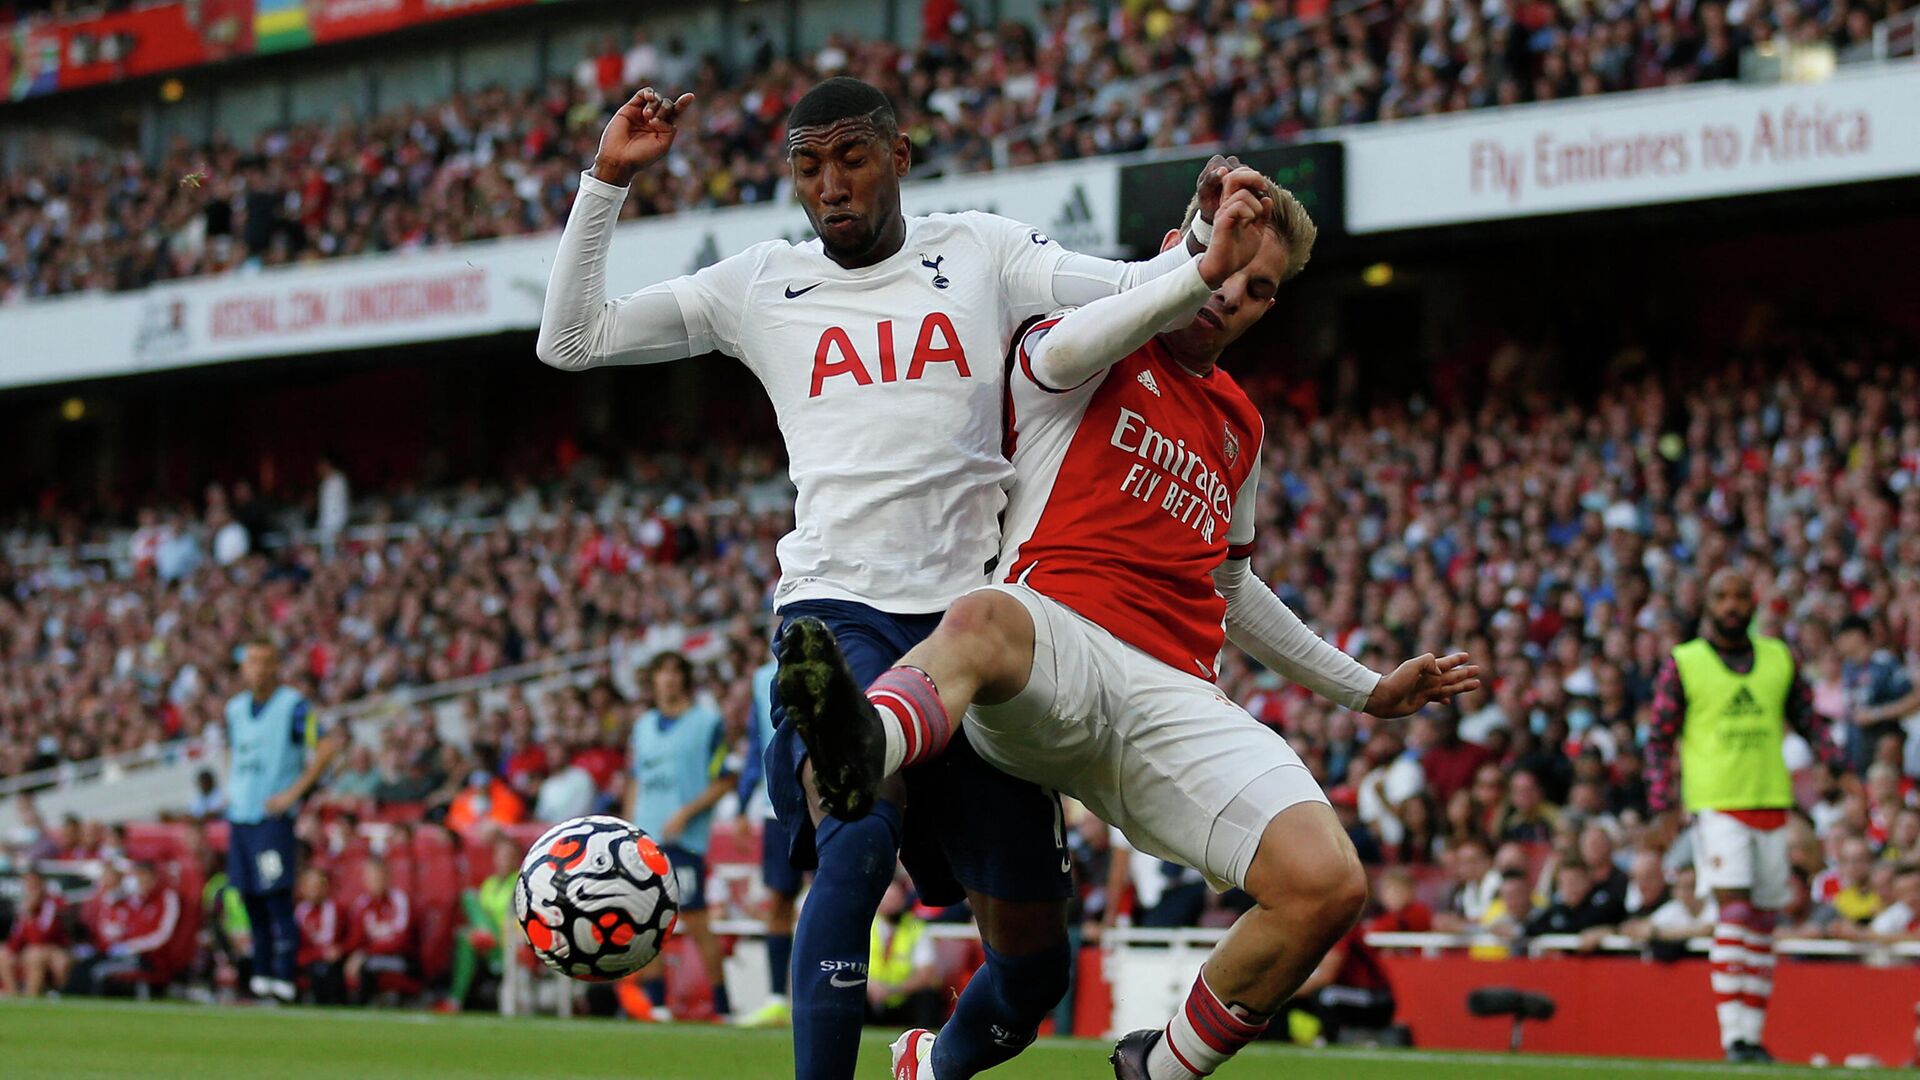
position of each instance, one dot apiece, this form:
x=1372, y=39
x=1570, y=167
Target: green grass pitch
x=76, y=1039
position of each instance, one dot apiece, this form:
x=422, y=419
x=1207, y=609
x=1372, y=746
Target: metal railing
x=369, y=715
x=1203, y=937
x=119, y=548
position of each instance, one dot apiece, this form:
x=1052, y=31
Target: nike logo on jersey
x=1146, y=380
x=846, y=982
x=793, y=293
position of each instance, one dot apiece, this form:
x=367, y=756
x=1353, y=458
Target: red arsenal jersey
x=41, y=925
x=382, y=924
x=1130, y=489
x=321, y=930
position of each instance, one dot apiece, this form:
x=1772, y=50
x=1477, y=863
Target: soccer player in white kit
x=1089, y=667
x=881, y=344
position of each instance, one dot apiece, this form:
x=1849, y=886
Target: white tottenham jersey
x=888, y=380
x=888, y=384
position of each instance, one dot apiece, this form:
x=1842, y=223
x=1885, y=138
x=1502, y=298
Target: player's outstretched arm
x=579, y=326
x=1090, y=339
x=1263, y=625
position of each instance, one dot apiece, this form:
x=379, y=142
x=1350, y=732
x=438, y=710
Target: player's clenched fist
x=1236, y=236
x=639, y=134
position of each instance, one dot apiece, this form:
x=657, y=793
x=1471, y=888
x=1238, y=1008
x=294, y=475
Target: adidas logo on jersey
x=1146, y=380
x=1743, y=704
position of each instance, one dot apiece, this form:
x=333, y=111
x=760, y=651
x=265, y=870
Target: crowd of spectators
x=1082, y=80
x=1564, y=544
x=122, y=657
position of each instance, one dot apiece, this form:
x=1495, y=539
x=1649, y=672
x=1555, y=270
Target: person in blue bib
x=678, y=755
x=277, y=751
x=777, y=872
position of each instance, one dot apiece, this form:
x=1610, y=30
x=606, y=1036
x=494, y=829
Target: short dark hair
x=671, y=657
x=841, y=98
x=1854, y=622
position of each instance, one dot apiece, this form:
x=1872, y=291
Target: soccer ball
x=596, y=898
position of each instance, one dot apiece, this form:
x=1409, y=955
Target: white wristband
x=1202, y=230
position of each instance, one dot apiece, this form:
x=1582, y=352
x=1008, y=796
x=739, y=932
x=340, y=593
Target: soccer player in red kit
x=324, y=936
x=381, y=924
x=151, y=914
x=38, y=954
x=1089, y=667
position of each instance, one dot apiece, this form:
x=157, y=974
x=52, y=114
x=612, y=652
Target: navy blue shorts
x=262, y=857
x=968, y=825
x=690, y=871
x=777, y=871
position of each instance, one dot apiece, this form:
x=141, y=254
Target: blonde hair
x=1289, y=221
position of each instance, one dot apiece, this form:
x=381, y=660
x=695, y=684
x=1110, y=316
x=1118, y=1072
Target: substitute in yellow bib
x=1724, y=701
x=903, y=972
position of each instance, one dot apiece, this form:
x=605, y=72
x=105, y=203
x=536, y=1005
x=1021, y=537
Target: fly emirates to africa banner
x=1655, y=146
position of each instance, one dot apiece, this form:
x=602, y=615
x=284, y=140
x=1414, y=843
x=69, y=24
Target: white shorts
x=1730, y=854
x=1187, y=774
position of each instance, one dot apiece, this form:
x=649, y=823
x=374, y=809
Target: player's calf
x=1310, y=888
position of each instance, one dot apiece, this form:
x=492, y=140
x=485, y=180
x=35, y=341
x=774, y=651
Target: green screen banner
x=1154, y=195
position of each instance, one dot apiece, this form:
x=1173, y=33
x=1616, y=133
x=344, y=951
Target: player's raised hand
x=1212, y=185
x=639, y=134
x=1236, y=237
x=1421, y=681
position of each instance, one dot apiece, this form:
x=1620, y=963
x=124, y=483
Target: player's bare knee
x=984, y=628
x=1315, y=874
x=971, y=622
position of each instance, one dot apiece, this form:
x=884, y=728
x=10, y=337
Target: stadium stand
x=1564, y=541
x=1075, y=83
x=483, y=638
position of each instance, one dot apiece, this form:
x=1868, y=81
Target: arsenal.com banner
x=1655, y=146
x=469, y=290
